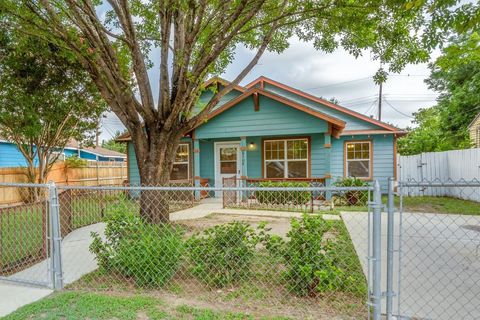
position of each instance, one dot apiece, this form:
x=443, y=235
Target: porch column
x=196, y=166
x=328, y=158
x=243, y=149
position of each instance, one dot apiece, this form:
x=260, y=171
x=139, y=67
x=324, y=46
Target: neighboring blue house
x=270, y=131
x=10, y=156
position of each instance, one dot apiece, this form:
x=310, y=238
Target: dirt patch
x=279, y=226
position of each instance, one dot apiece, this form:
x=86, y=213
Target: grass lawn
x=21, y=237
x=427, y=204
x=76, y=305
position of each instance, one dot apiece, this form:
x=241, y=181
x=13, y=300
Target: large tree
x=197, y=38
x=455, y=75
x=46, y=98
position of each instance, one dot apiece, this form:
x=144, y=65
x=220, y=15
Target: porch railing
x=303, y=201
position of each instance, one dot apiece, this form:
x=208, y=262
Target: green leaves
x=455, y=75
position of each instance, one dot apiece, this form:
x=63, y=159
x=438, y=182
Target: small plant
x=149, y=254
x=283, y=197
x=309, y=257
x=75, y=162
x=222, y=254
x=353, y=197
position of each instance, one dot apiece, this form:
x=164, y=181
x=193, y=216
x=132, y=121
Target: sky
x=335, y=75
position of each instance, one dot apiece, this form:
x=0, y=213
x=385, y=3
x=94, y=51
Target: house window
x=286, y=158
x=181, y=165
x=358, y=159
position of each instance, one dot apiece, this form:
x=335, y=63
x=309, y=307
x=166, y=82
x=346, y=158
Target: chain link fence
x=257, y=249
x=276, y=262
x=436, y=272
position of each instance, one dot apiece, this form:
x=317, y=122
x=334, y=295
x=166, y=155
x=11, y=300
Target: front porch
x=257, y=160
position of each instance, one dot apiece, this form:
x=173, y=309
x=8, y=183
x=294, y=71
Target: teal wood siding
x=254, y=157
x=10, y=156
x=317, y=154
x=207, y=95
x=134, y=175
x=207, y=166
x=273, y=118
x=383, y=157
x=352, y=122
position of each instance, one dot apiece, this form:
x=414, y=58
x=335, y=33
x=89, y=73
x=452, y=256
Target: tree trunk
x=155, y=164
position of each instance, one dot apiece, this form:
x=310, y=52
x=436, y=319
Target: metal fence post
x=390, y=230
x=376, y=298
x=56, y=238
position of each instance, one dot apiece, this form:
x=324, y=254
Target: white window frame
x=370, y=158
x=184, y=162
x=285, y=160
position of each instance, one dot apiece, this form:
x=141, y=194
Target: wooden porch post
x=244, y=174
x=328, y=158
x=196, y=166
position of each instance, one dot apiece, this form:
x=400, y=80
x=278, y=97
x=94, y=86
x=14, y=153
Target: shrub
x=354, y=197
x=283, y=197
x=309, y=257
x=222, y=254
x=75, y=162
x=149, y=254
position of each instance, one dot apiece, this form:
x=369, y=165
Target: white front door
x=227, y=162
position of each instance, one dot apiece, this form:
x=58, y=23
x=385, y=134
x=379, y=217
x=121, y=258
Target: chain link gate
x=30, y=238
x=433, y=258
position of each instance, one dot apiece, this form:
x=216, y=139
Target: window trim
x=184, y=162
x=370, y=169
x=264, y=160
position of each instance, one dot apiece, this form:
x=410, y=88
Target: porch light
x=251, y=146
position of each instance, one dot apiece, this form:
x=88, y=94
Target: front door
x=227, y=162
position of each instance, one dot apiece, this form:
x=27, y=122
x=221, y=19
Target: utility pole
x=380, y=102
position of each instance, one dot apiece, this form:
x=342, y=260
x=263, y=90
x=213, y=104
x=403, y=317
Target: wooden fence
x=93, y=174
x=447, y=166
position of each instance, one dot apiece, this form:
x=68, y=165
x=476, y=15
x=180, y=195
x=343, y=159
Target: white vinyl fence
x=441, y=167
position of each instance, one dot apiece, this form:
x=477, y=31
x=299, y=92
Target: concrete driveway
x=440, y=263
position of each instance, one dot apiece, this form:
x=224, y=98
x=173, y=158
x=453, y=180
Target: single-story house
x=267, y=130
x=474, y=131
x=11, y=157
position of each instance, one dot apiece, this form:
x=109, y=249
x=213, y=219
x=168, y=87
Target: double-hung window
x=358, y=159
x=181, y=165
x=286, y=158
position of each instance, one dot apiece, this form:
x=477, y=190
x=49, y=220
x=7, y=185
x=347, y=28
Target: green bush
x=222, y=254
x=75, y=162
x=149, y=254
x=283, y=197
x=309, y=257
x=351, y=198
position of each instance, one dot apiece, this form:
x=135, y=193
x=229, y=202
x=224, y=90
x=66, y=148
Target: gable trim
x=337, y=124
x=326, y=103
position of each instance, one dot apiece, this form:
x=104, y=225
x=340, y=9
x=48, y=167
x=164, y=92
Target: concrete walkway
x=77, y=261
x=440, y=263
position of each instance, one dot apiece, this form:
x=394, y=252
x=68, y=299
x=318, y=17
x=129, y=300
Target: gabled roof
x=474, y=120
x=262, y=80
x=98, y=151
x=337, y=124
x=218, y=80
x=257, y=87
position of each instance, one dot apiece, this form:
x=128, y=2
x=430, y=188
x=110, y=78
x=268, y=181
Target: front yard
x=81, y=305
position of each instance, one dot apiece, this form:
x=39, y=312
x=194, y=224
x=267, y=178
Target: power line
x=340, y=83
x=400, y=112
